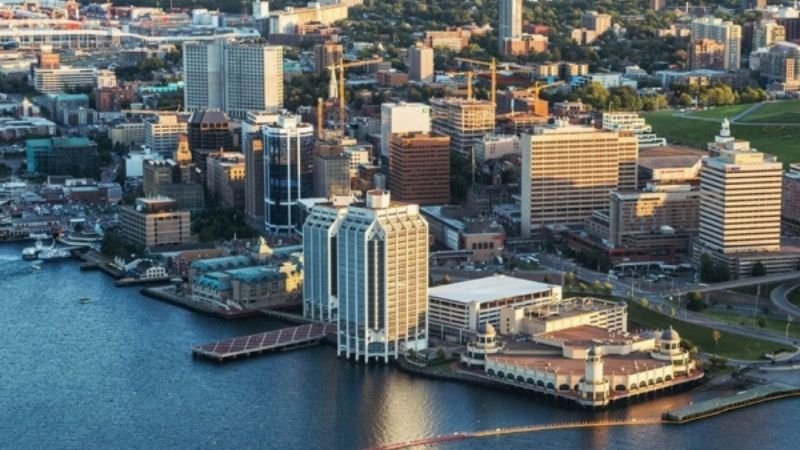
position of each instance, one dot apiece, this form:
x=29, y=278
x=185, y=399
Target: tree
x=569, y=278
x=762, y=322
x=716, y=336
x=597, y=286
x=608, y=288
x=758, y=270
x=583, y=287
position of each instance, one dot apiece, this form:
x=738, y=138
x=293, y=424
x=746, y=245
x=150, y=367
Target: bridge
x=458, y=436
x=282, y=339
x=772, y=278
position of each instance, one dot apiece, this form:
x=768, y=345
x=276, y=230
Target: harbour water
x=118, y=373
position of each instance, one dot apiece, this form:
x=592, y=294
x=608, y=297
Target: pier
x=715, y=406
x=283, y=339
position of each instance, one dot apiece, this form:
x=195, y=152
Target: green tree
x=569, y=278
x=758, y=270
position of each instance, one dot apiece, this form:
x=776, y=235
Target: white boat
x=31, y=253
x=52, y=252
x=36, y=266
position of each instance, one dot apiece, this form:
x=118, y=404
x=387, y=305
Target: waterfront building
x=368, y=265
x=249, y=287
x=76, y=156
x=288, y=171
x=419, y=168
x=155, y=222
x=725, y=32
x=465, y=121
x=740, y=207
x=568, y=171
x=458, y=310
x=403, y=118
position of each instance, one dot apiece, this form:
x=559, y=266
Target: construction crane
x=535, y=88
x=492, y=65
x=341, y=91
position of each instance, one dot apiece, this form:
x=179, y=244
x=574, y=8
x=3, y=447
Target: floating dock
x=283, y=339
x=712, y=407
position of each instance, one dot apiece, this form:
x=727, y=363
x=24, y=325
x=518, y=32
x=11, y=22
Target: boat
x=36, y=266
x=85, y=300
x=31, y=253
x=52, y=253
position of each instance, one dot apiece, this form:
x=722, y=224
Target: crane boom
x=341, y=94
x=492, y=65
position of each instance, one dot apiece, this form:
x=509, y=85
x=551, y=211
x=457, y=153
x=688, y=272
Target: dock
x=715, y=406
x=283, y=339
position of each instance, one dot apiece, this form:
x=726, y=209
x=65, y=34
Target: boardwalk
x=514, y=430
x=261, y=342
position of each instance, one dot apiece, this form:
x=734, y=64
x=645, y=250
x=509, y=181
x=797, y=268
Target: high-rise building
x=252, y=143
x=780, y=64
x=740, y=207
x=325, y=55
x=209, y=131
x=232, y=77
x=331, y=175
x=420, y=63
x=175, y=178
x=225, y=174
x=419, y=168
x=728, y=33
x=707, y=54
x=465, y=121
x=790, y=209
x=161, y=133
x=155, y=222
x=403, y=118
x=367, y=265
x=510, y=21
x=288, y=171
x=568, y=171
x=767, y=33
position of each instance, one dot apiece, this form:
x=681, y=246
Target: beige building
x=568, y=172
x=155, y=222
x=725, y=32
x=225, y=178
x=665, y=209
x=420, y=63
x=767, y=33
x=465, y=121
x=707, y=54
x=162, y=132
x=454, y=40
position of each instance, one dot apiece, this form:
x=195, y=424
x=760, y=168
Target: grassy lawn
x=753, y=289
x=776, y=112
x=772, y=324
x=729, y=345
x=721, y=112
x=794, y=297
x=781, y=141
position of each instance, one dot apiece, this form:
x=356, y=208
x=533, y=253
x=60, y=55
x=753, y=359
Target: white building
x=54, y=81
x=380, y=268
x=106, y=79
x=631, y=121
x=359, y=156
x=495, y=146
x=161, y=134
x=403, y=118
x=134, y=162
x=457, y=310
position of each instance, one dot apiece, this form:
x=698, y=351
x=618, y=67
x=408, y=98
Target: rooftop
x=631, y=363
x=487, y=289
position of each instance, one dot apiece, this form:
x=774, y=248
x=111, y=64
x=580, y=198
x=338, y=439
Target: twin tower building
x=366, y=268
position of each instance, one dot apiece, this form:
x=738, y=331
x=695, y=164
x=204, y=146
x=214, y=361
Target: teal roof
x=66, y=97
x=255, y=274
x=222, y=263
x=215, y=280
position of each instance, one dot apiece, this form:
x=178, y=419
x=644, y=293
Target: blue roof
x=221, y=263
x=255, y=274
x=215, y=280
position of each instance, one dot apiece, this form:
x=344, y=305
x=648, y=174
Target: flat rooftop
x=630, y=363
x=586, y=335
x=671, y=150
x=487, y=289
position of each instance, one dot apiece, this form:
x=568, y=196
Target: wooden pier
x=283, y=339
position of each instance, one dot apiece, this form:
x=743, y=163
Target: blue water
x=118, y=373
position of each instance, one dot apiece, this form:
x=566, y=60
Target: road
x=779, y=298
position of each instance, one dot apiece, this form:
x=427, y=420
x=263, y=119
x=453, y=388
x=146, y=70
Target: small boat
x=36, y=266
x=31, y=253
x=85, y=300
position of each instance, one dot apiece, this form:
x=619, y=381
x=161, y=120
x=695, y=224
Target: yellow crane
x=341, y=91
x=492, y=65
x=537, y=87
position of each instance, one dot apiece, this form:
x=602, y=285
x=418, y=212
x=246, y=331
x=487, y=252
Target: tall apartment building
x=781, y=64
x=790, y=200
x=568, y=171
x=509, y=24
x=288, y=171
x=325, y=55
x=597, y=22
x=767, y=33
x=419, y=168
x=707, y=54
x=162, y=132
x=420, y=63
x=728, y=33
x=252, y=143
x=232, y=77
x=155, y=222
x=367, y=265
x=403, y=118
x=464, y=121
x=225, y=174
x=740, y=208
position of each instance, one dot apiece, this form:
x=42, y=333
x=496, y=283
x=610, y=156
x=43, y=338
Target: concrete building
x=707, y=54
x=250, y=287
x=76, y=156
x=420, y=63
x=419, y=168
x=524, y=44
x=780, y=64
x=131, y=134
x=465, y=121
x=155, y=222
x=568, y=171
x=767, y=33
x=225, y=175
x=208, y=131
x=740, y=207
x=289, y=19
x=288, y=171
x=233, y=77
x=376, y=278
x=478, y=238
x=597, y=22
x=175, y=178
x=252, y=143
x=496, y=146
x=790, y=201
x=629, y=121
x=161, y=133
x=509, y=24
x=134, y=162
x=727, y=33
x=325, y=55
x=458, y=310
x=452, y=39
x=403, y=118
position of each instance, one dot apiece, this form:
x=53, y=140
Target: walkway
x=517, y=430
x=780, y=298
x=261, y=342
